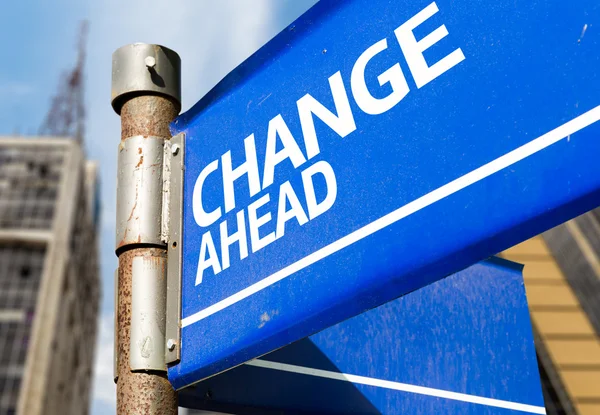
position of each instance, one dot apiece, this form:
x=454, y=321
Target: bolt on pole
x=146, y=93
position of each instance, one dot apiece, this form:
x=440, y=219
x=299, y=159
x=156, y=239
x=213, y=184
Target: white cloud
x=12, y=90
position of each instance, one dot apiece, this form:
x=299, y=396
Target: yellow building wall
x=561, y=324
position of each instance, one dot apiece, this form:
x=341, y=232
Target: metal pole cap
x=143, y=68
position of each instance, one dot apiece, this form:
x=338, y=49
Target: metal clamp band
x=139, y=191
x=148, y=303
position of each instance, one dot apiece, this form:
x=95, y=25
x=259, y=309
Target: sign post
x=146, y=94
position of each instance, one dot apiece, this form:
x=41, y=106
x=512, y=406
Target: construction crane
x=66, y=117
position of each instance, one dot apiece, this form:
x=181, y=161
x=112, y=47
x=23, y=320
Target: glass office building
x=49, y=277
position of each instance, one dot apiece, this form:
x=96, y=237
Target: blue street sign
x=372, y=148
x=462, y=345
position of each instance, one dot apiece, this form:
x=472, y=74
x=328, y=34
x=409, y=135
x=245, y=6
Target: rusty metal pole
x=146, y=93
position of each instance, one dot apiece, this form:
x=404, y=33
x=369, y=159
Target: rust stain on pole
x=147, y=115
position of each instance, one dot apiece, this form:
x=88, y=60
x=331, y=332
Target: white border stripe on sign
x=430, y=198
x=403, y=387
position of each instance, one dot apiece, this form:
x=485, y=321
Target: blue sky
x=38, y=43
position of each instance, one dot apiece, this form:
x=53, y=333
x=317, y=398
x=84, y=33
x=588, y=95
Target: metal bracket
x=172, y=217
